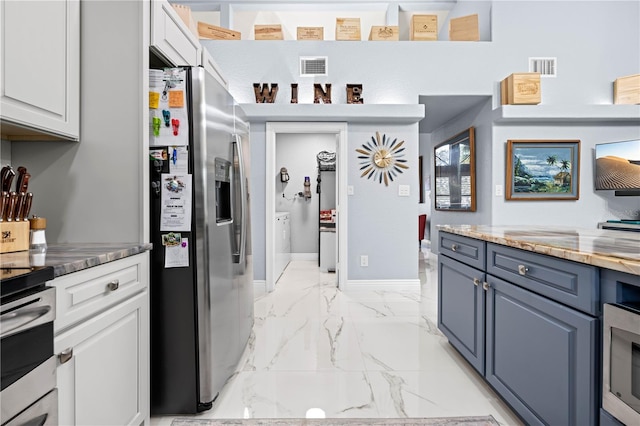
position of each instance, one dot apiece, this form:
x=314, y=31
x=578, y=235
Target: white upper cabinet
x=40, y=69
x=171, y=38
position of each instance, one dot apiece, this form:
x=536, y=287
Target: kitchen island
x=523, y=305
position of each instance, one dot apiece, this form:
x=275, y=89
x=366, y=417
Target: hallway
x=369, y=354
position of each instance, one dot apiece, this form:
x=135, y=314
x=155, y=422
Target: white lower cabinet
x=103, y=359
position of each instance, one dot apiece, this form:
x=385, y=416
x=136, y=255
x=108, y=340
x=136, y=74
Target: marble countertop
x=617, y=250
x=66, y=258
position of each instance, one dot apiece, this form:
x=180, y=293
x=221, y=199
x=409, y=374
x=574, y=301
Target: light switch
x=499, y=191
x=404, y=190
x=349, y=189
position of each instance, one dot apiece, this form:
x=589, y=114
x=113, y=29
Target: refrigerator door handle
x=240, y=255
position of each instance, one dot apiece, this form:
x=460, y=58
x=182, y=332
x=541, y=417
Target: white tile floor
x=371, y=354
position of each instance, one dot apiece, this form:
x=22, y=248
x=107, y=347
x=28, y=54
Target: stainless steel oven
x=28, y=394
x=621, y=362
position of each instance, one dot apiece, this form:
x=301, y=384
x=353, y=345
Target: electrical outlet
x=364, y=260
x=499, y=191
x=404, y=190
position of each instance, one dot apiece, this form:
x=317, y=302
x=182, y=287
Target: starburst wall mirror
x=455, y=173
x=381, y=159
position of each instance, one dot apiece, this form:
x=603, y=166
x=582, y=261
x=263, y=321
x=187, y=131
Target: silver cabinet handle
x=486, y=285
x=454, y=247
x=113, y=285
x=522, y=270
x=65, y=355
x=476, y=282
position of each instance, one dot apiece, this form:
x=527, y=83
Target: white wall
x=297, y=152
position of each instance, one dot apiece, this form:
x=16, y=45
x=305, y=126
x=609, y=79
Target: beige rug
x=435, y=421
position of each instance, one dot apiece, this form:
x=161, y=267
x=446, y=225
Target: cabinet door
x=171, y=38
x=541, y=356
x=40, y=85
x=461, y=309
x=105, y=382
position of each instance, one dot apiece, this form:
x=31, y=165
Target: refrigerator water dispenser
x=223, y=190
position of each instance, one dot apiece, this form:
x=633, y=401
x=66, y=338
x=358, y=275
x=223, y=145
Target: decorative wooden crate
x=212, y=32
x=626, y=90
x=184, y=12
x=14, y=236
x=384, y=33
x=522, y=88
x=464, y=28
x=268, y=32
x=348, y=29
x=310, y=33
x=424, y=27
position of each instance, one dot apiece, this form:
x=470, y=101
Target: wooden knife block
x=14, y=236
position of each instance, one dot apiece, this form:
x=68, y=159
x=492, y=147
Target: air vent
x=313, y=65
x=545, y=66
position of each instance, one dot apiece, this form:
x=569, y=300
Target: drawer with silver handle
x=464, y=249
x=87, y=292
x=571, y=283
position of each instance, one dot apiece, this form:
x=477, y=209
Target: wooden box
x=212, y=32
x=14, y=236
x=310, y=33
x=424, y=27
x=626, y=90
x=348, y=29
x=184, y=12
x=384, y=33
x=464, y=28
x=522, y=88
x=268, y=32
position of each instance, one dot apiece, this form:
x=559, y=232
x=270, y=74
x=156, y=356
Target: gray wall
x=480, y=118
x=297, y=152
x=594, y=42
x=381, y=224
x=91, y=191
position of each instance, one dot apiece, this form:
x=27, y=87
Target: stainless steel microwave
x=621, y=362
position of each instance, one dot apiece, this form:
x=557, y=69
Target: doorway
x=272, y=173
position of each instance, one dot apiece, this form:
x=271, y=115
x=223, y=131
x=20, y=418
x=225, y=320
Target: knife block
x=14, y=236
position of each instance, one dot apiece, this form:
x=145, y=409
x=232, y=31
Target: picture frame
x=542, y=170
x=455, y=173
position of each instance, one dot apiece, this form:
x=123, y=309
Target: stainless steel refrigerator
x=201, y=278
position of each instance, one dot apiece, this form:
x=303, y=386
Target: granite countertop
x=617, y=250
x=66, y=258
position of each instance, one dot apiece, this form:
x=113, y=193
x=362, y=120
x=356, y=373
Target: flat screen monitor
x=618, y=166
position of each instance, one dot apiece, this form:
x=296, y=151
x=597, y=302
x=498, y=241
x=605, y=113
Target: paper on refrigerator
x=175, y=212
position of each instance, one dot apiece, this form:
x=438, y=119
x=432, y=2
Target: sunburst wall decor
x=381, y=159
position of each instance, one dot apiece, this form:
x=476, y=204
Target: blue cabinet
x=461, y=309
x=540, y=356
x=497, y=307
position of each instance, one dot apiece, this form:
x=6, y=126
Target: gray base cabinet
x=537, y=353
x=540, y=356
x=461, y=309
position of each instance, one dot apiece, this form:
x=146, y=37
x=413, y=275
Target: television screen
x=618, y=165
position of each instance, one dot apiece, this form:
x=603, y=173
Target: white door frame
x=272, y=130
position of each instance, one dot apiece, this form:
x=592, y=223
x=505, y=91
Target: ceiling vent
x=545, y=66
x=311, y=66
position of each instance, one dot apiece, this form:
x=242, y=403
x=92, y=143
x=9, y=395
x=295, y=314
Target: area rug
x=434, y=421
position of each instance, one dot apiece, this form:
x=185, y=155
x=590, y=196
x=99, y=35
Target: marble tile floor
x=357, y=354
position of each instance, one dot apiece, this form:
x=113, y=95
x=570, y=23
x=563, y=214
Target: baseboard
x=395, y=285
x=304, y=256
x=259, y=288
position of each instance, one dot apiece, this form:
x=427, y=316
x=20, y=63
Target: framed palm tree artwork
x=543, y=170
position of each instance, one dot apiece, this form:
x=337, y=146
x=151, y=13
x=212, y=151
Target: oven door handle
x=21, y=317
